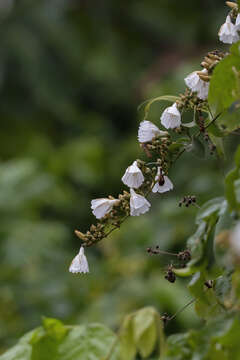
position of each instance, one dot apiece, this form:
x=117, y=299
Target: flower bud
x=231, y=4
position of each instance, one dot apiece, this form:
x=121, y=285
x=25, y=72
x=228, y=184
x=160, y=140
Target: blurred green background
x=72, y=74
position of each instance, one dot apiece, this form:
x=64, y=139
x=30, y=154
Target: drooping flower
x=197, y=85
x=228, y=32
x=148, y=131
x=237, y=24
x=138, y=204
x=171, y=117
x=101, y=207
x=235, y=240
x=163, y=183
x=133, y=176
x=79, y=263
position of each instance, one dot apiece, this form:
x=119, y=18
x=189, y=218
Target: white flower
x=138, y=204
x=235, y=240
x=237, y=24
x=171, y=117
x=133, y=176
x=79, y=263
x=148, y=131
x=196, y=84
x=100, y=207
x=163, y=183
x=228, y=32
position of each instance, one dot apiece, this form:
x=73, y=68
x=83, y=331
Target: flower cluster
x=161, y=146
x=228, y=32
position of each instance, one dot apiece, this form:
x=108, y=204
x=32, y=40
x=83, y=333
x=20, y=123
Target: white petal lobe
x=101, y=207
x=79, y=263
x=171, y=117
x=167, y=186
x=133, y=176
x=148, y=131
x=197, y=85
x=138, y=204
x=228, y=32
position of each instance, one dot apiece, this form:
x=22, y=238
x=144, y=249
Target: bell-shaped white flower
x=148, y=131
x=228, y=32
x=196, y=84
x=101, y=207
x=163, y=183
x=237, y=24
x=235, y=240
x=79, y=263
x=133, y=176
x=171, y=117
x=138, y=204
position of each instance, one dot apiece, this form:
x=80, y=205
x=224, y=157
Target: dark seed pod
x=170, y=276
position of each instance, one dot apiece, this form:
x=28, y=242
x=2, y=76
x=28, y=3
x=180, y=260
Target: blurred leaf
x=54, y=341
x=210, y=210
x=221, y=97
x=127, y=343
x=196, y=148
x=230, y=179
x=221, y=236
x=206, y=304
x=145, y=330
x=218, y=142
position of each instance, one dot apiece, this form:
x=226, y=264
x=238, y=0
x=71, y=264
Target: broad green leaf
x=210, y=210
x=145, y=330
x=225, y=89
x=223, y=286
x=230, y=194
x=206, y=304
x=196, y=148
x=54, y=341
x=127, y=343
x=18, y=352
x=54, y=328
x=237, y=157
x=218, y=142
x=221, y=236
x=215, y=130
x=196, y=245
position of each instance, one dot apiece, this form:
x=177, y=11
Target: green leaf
x=196, y=148
x=225, y=89
x=210, y=210
x=206, y=304
x=223, y=287
x=145, y=330
x=237, y=157
x=54, y=328
x=18, y=352
x=218, y=142
x=230, y=194
x=54, y=341
x=221, y=236
x=128, y=348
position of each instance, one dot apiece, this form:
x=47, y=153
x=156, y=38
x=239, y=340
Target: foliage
x=72, y=134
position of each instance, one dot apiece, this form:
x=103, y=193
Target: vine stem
x=182, y=309
x=127, y=216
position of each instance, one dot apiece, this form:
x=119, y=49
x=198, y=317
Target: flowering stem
x=182, y=309
x=213, y=120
